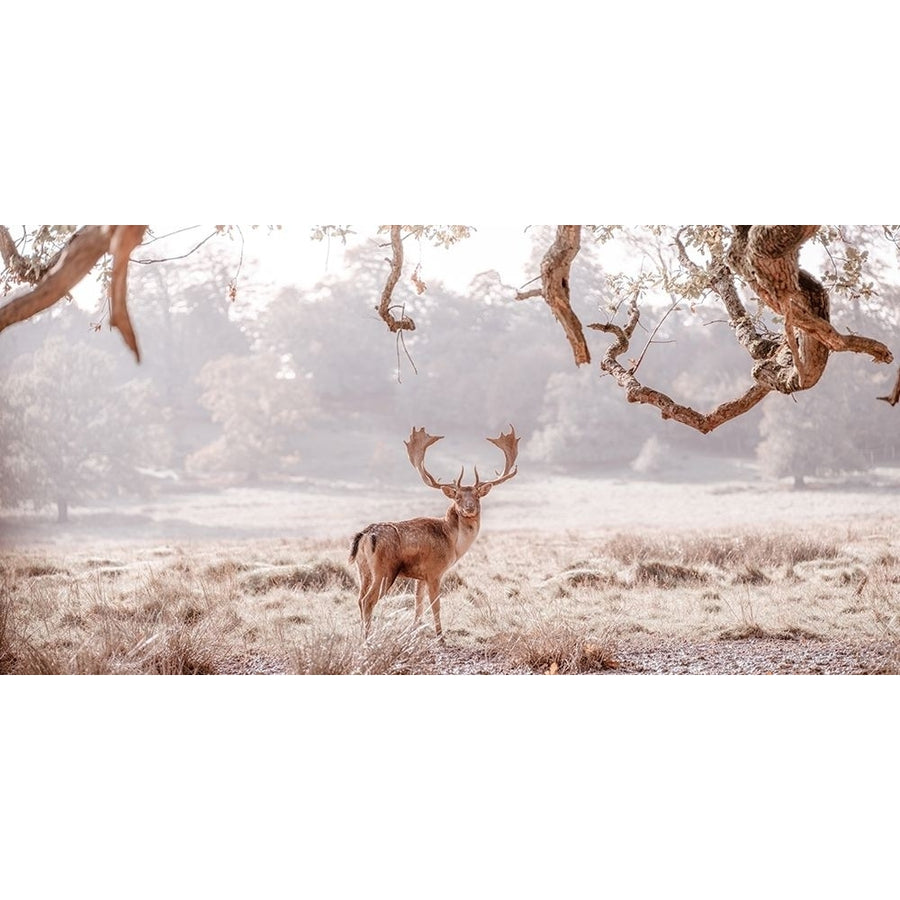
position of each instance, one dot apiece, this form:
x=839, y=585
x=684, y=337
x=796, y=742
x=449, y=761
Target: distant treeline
x=312, y=384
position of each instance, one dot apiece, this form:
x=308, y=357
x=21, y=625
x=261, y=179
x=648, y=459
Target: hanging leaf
x=417, y=281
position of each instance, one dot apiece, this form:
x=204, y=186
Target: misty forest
x=685, y=440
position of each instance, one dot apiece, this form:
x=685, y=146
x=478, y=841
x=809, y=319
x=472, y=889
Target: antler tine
x=419, y=441
x=509, y=444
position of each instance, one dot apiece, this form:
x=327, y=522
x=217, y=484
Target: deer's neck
x=464, y=527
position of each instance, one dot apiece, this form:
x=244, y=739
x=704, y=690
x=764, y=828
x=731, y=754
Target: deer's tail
x=357, y=538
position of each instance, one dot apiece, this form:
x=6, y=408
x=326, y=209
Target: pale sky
x=289, y=256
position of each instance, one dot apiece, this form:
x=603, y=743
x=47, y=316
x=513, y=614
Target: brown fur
x=424, y=549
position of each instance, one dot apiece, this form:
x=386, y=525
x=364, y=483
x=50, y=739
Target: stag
x=424, y=549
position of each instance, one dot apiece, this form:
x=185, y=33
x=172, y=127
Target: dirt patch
x=755, y=656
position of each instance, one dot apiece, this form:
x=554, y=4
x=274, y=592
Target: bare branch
x=650, y=340
x=527, y=295
x=766, y=257
x=635, y=392
x=384, y=308
x=161, y=259
x=79, y=256
x=555, y=286
x=124, y=239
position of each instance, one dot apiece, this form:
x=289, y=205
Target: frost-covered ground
x=552, y=503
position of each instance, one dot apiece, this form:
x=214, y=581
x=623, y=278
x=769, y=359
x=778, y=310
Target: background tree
x=786, y=341
x=261, y=407
x=186, y=319
x=70, y=433
x=810, y=435
x=583, y=428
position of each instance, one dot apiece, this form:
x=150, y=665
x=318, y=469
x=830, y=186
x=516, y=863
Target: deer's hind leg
x=366, y=583
x=377, y=589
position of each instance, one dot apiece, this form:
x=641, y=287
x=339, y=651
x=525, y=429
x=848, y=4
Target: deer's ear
x=484, y=489
x=449, y=490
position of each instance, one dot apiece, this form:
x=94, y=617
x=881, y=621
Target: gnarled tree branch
x=124, y=239
x=555, y=267
x=384, y=308
x=77, y=258
x=721, y=280
x=635, y=392
x=555, y=283
x=767, y=258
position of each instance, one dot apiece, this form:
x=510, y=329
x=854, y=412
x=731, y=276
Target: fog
x=283, y=411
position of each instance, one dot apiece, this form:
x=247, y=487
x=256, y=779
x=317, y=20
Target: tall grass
x=518, y=603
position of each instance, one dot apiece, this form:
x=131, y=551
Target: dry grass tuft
x=724, y=551
x=19, y=655
x=589, y=578
x=667, y=575
x=136, y=648
x=8, y=658
x=750, y=574
x=38, y=570
x=890, y=666
x=387, y=651
x=318, y=576
x=554, y=648
x=747, y=630
x=520, y=603
x=225, y=569
x=452, y=582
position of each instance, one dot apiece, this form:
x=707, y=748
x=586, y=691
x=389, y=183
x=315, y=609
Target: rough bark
x=74, y=262
x=555, y=268
x=635, y=392
x=385, y=309
x=767, y=258
x=79, y=256
x=124, y=239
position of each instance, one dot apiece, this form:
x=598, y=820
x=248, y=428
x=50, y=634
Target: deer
x=423, y=549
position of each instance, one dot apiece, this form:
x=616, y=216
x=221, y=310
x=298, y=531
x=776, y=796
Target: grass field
x=714, y=578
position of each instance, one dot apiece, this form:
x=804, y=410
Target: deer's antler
x=419, y=441
x=509, y=444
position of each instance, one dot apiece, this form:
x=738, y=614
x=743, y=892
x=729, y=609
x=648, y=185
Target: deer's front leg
x=420, y=603
x=434, y=594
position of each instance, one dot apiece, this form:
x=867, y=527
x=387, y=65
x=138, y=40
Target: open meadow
x=567, y=576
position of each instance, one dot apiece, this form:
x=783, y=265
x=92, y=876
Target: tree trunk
x=62, y=510
x=799, y=482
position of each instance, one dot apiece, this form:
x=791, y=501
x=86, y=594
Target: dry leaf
x=417, y=281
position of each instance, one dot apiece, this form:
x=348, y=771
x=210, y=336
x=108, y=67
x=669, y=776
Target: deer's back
x=416, y=547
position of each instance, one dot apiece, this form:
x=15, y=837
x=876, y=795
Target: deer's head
x=466, y=498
